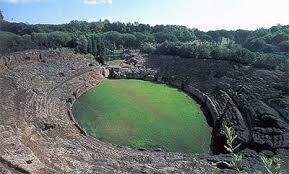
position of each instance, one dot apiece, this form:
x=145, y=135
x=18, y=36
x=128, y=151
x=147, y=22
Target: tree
x=26, y=42
x=261, y=32
x=1, y=16
x=258, y=44
x=75, y=26
x=81, y=44
x=41, y=39
x=161, y=37
x=284, y=46
x=167, y=48
x=182, y=33
x=280, y=37
x=9, y=42
x=241, y=36
x=59, y=39
x=128, y=40
x=142, y=38
x=202, y=35
x=187, y=50
x=96, y=26
x=113, y=37
x=147, y=48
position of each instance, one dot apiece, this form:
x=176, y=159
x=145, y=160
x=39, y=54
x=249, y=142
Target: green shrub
x=147, y=48
x=232, y=147
x=272, y=165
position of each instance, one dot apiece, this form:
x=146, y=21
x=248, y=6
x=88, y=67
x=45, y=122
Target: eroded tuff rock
x=38, y=134
x=253, y=101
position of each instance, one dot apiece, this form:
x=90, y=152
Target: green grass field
x=142, y=114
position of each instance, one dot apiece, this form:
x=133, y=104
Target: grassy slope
x=143, y=114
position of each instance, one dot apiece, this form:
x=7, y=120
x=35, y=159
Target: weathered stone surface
x=38, y=133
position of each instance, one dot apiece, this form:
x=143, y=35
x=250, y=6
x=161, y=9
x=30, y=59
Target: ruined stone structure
x=38, y=133
x=37, y=130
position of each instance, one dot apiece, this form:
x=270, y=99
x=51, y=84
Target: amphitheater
x=39, y=135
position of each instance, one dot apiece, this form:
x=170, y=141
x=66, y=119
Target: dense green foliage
x=275, y=39
x=231, y=52
x=142, y=114
x=264, y=48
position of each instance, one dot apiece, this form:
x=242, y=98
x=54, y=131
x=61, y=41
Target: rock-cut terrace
x=39, y=135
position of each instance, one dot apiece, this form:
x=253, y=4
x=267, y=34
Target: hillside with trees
x=264, y=48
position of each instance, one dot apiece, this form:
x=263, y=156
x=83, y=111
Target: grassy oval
x=142, y=114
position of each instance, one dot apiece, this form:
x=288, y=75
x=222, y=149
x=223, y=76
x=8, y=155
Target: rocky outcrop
x=39, y=135
x=253, y=101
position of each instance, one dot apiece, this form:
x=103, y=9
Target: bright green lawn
x=142, y=114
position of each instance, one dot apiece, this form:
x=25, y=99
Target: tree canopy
x=103, y=37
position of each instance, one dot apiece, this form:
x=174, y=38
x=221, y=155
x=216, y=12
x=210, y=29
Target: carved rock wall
x=37, y=131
